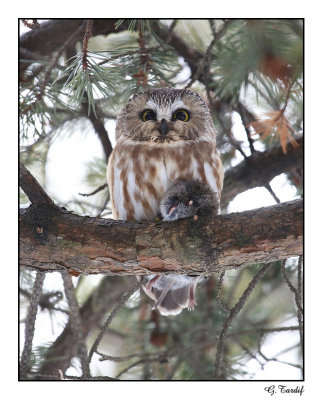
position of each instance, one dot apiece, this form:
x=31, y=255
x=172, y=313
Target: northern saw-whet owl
x=165, y=163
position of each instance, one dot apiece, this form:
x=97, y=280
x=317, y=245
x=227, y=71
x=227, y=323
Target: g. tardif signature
x=284, y=389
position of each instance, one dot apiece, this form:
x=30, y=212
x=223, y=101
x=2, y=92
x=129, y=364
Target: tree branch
x=98, y=125
x=50, y=36
x=32, y=188
x=53, y=239
x=30, y=325
x=76, y=324
x=260, y=168
x=60, y=353
x=233, y=312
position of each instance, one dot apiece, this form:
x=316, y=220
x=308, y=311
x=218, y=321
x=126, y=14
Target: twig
x=76, y=323
x=300, y=299
x=292, y=288
x=228, y=132
x=119, y=358
x=95, y=191
x=30, y=324
x=264, y=330
x=104, y=205
x=234, y=311
x=270, y=190
x=54, y=63
x=87, y=35
x=243, y=116
x=277, y=360
x=142, y=75
x=288, y=93
x=98, y=125
x=123, y=299
x=300, y=278
x=170, y=31
x=204, y=67
x=63, y=377
x=248, y=351
x=32, y=25
x=269, y=99
x=219, y=287
x=164, y=356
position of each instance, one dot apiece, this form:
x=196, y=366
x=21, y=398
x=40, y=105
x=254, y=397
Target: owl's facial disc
x=165, y=116
x=164, y=123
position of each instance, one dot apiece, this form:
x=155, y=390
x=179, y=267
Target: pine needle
x=276, y=126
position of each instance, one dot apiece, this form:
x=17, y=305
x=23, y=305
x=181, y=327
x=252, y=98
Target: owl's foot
x=191, y=298
x=151, y=282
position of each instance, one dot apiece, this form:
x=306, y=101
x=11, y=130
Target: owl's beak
x=163, y=129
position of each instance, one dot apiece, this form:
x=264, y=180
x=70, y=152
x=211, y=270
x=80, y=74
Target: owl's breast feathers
x=140, y=173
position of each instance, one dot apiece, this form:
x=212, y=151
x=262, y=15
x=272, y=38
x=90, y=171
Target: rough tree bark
x=260, y=168
x=51, y=238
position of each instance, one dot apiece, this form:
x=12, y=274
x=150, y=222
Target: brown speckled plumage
x=152, y=155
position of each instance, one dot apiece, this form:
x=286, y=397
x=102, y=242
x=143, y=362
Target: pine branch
x=273, y=194
x=98, y=125
x=95, y=191
x=32, y=188
x=53, y=64
x=49, y=37
x=297, y=295
x=87, y=35
x=76, y=323
x=30, y=324
x=60, y=353
x=260, y=168
x=125, y=248
x=53, y=239
x=233, y=312
x=123, y=299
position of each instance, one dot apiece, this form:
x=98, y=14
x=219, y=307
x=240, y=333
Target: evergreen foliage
x=250, y=72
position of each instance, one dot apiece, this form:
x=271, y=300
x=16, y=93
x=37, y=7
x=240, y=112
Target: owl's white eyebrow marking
x=165, y=109
x=151, y=105
x=178, y=103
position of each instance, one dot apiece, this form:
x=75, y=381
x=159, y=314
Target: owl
x=164, y=137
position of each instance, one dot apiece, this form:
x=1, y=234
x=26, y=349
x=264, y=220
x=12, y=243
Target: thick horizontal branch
x=260, y=168
x=54, y=239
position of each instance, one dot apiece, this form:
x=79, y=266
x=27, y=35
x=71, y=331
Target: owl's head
x=165, y=115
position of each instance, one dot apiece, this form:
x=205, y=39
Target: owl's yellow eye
x=148, y=115
x=181, y=115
